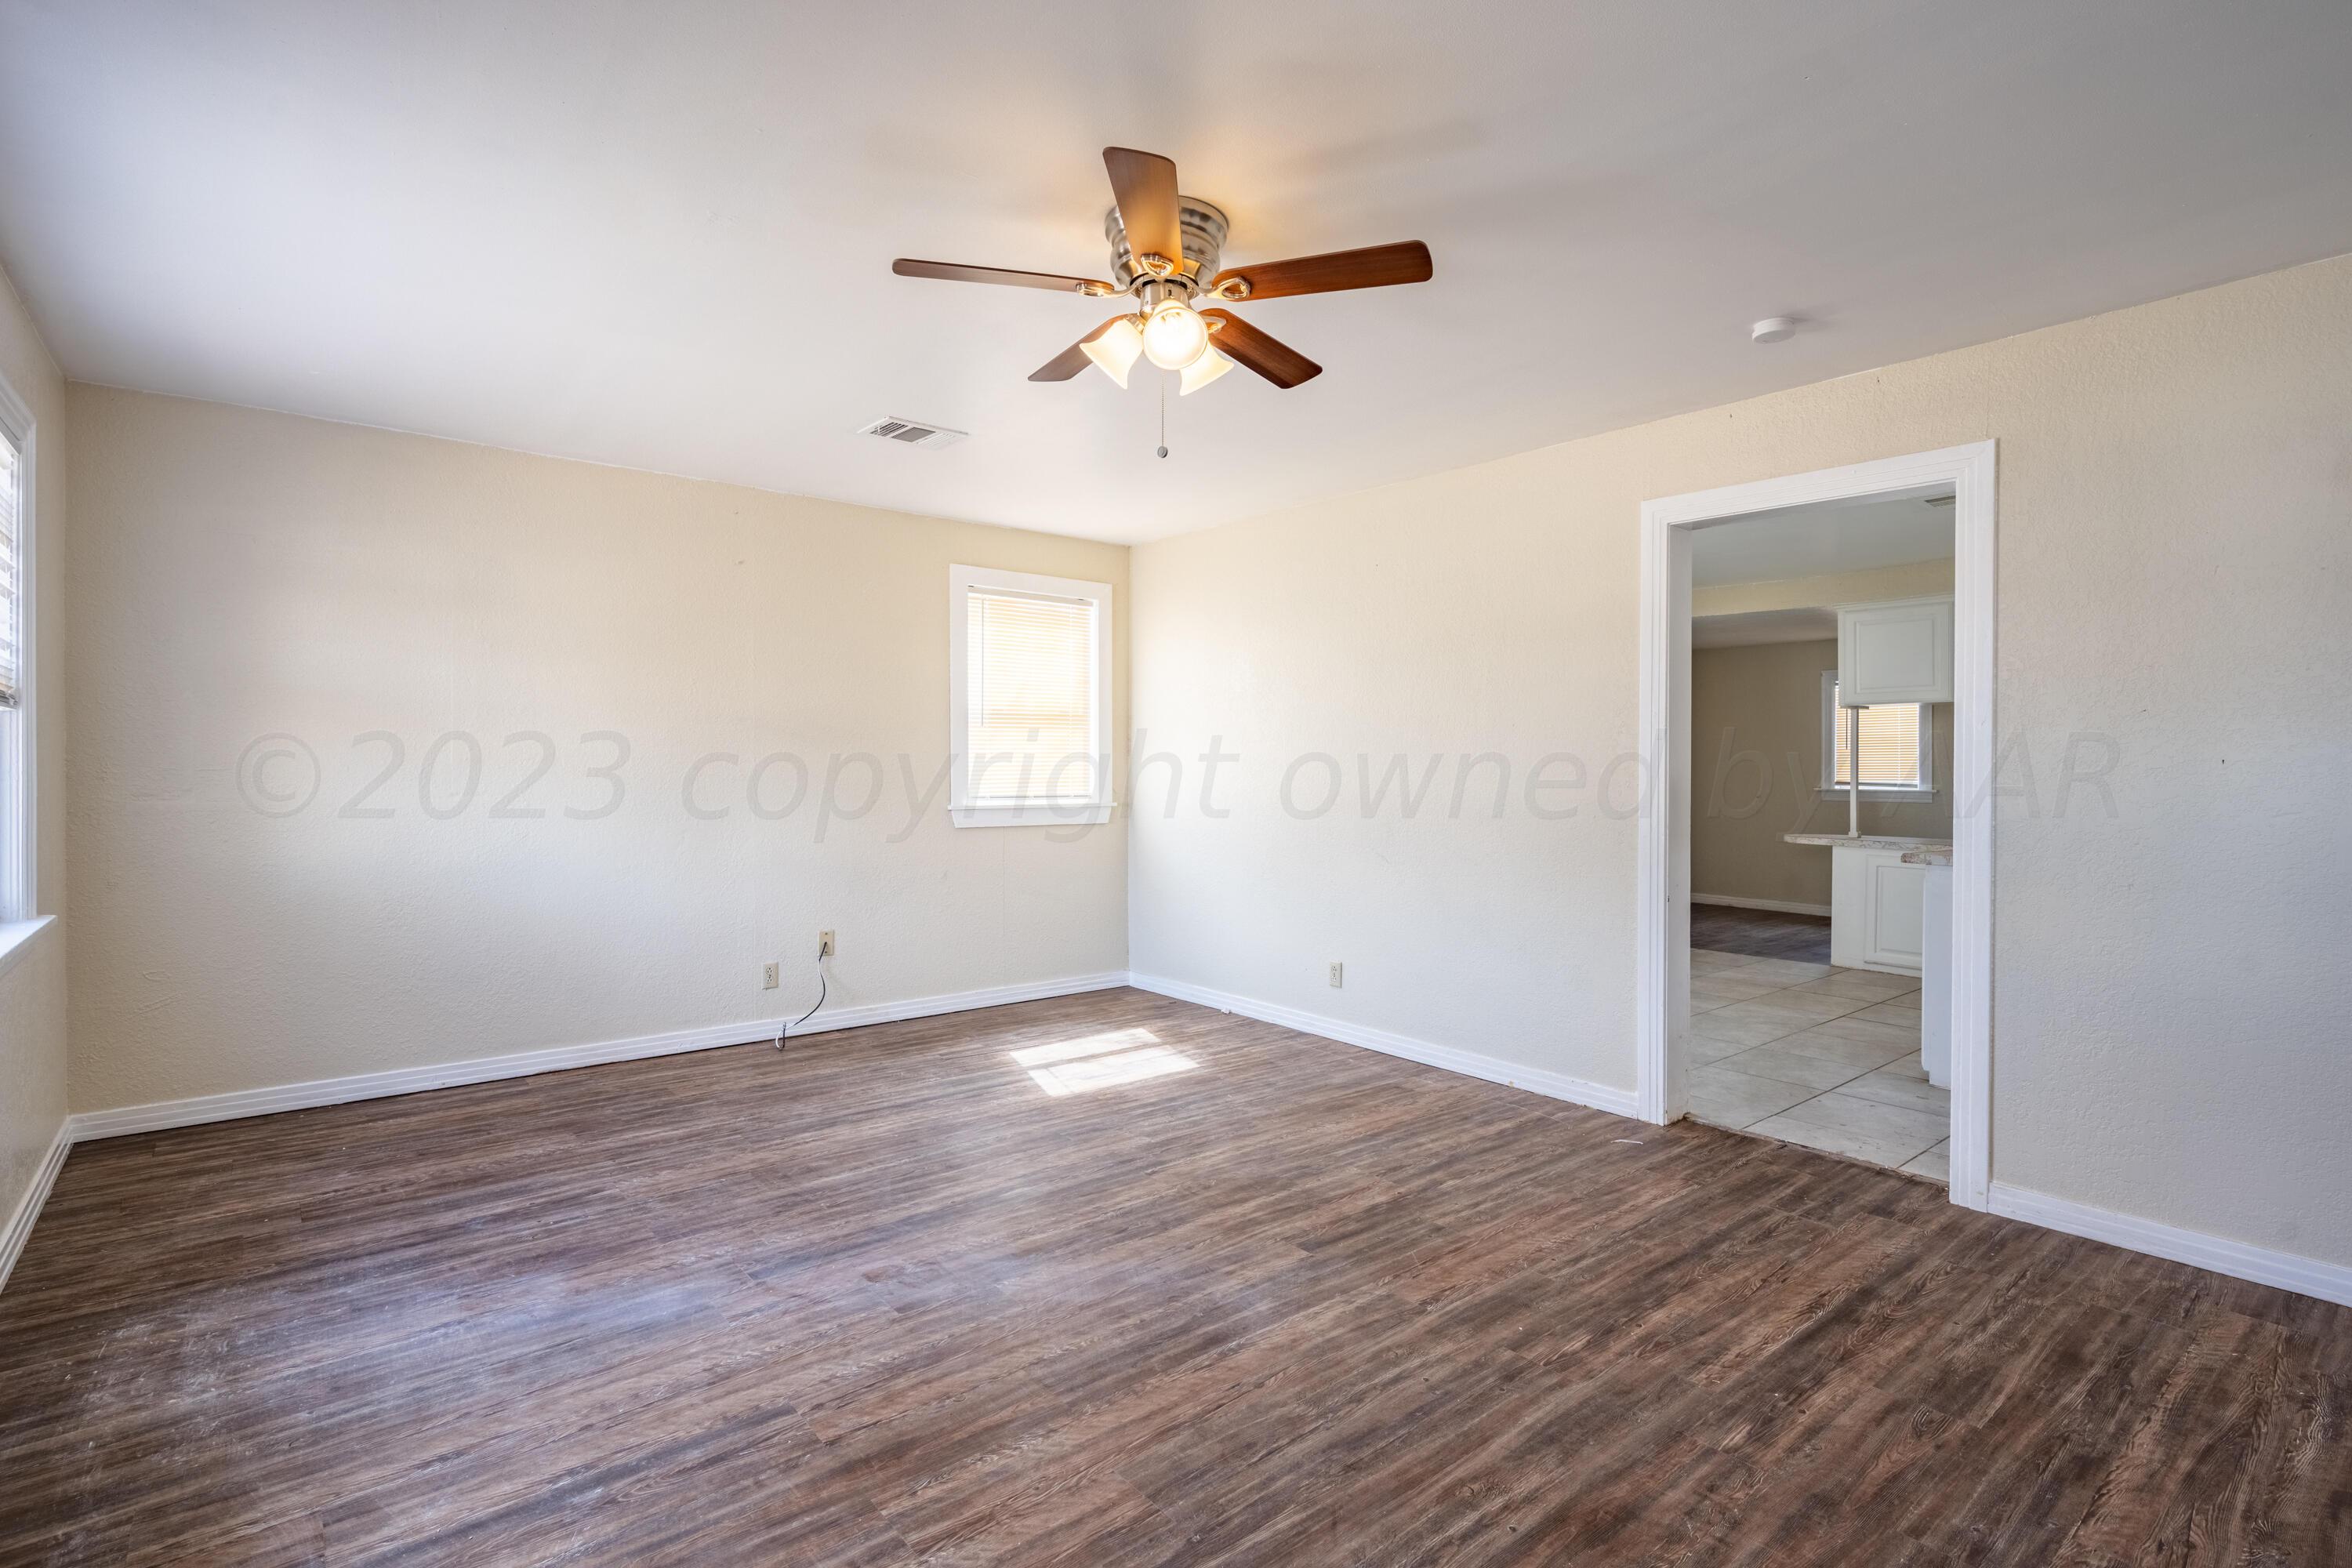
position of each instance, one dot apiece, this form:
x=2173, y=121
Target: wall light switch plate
x=1335, y=976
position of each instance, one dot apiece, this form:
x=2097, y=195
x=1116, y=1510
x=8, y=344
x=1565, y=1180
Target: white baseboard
x=2286, y=1270
x=241, y=1103
x=1470, y=1064
x=1778, y=906
x=28, y=1206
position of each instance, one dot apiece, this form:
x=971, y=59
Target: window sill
x=17, y=937
x=1056, y=814
x=1896, y=796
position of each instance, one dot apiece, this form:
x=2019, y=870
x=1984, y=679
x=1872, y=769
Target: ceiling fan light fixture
x=1166, y=251
x=1174, y=336
x=1114, y=350
x=1203, y=371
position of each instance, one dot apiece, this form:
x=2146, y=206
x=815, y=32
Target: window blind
x=1030, y=711
x=1890, y=744
x=11, y=468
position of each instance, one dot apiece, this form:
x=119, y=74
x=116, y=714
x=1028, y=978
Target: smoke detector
x=913, y=433
x=1774, y=329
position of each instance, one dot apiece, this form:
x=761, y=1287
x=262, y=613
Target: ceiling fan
x=1164, y=253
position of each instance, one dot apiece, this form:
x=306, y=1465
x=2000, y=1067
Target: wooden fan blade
x=1145, y=186
x=1374, y=267
x=955, y=272
x=1072, y=360
x=1276, y=360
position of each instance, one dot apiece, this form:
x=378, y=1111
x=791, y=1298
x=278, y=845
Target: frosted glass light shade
x=1174, y=335
x=1203, y=371
x=1114, y=352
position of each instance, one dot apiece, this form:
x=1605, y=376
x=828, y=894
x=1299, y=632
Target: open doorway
x=1814, y=957
x=1810, y=820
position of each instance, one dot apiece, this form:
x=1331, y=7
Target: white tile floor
x=1813, y=1054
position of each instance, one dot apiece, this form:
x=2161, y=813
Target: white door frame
x=1662, y=957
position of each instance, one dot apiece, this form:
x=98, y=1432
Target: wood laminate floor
x=1112, y=1279
x=1760, y=933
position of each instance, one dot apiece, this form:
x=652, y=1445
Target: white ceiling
x=661, y=236
x=1815, y=540
x=1758, y=628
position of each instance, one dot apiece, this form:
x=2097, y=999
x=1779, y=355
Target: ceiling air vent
x=907, y=432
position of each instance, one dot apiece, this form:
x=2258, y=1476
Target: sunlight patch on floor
x=1100, y=1061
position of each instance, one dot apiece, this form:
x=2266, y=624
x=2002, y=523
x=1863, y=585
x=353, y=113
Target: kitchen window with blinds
x=1029, y=698
x=1896, y=745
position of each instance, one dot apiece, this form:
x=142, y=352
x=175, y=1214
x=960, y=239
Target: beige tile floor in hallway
x=1814, y=1055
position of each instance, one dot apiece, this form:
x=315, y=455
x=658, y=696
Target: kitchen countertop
x=1876, y=841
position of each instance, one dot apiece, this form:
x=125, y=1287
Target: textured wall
x=250, y=574
x=32, y=994
x=2175, y=577
x=1767, y=701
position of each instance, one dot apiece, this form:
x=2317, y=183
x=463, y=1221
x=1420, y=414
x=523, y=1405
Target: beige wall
x=247, y=575
x=2175, y=577
x=33, y=1068
x=1756, y=749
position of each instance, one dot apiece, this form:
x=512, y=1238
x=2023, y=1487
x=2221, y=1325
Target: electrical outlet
x=824, y=944
x=769, y=978
x=1335, y=976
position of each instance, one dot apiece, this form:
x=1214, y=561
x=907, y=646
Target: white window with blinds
x=1896, y=742
x=16, y=747
x=11, y=470
x=1028, y=698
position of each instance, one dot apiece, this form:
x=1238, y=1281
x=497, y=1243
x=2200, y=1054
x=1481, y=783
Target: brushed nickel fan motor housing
x=1203, y=227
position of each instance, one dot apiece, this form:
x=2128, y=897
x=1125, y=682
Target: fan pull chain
x=1163, y=416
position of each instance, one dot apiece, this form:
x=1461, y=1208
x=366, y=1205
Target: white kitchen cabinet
x=1900, y=651
x=1877, y=908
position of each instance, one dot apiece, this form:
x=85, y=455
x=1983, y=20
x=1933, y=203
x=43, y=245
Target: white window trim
x=1097, y=808
x=1832, y=790
x=20, y=893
